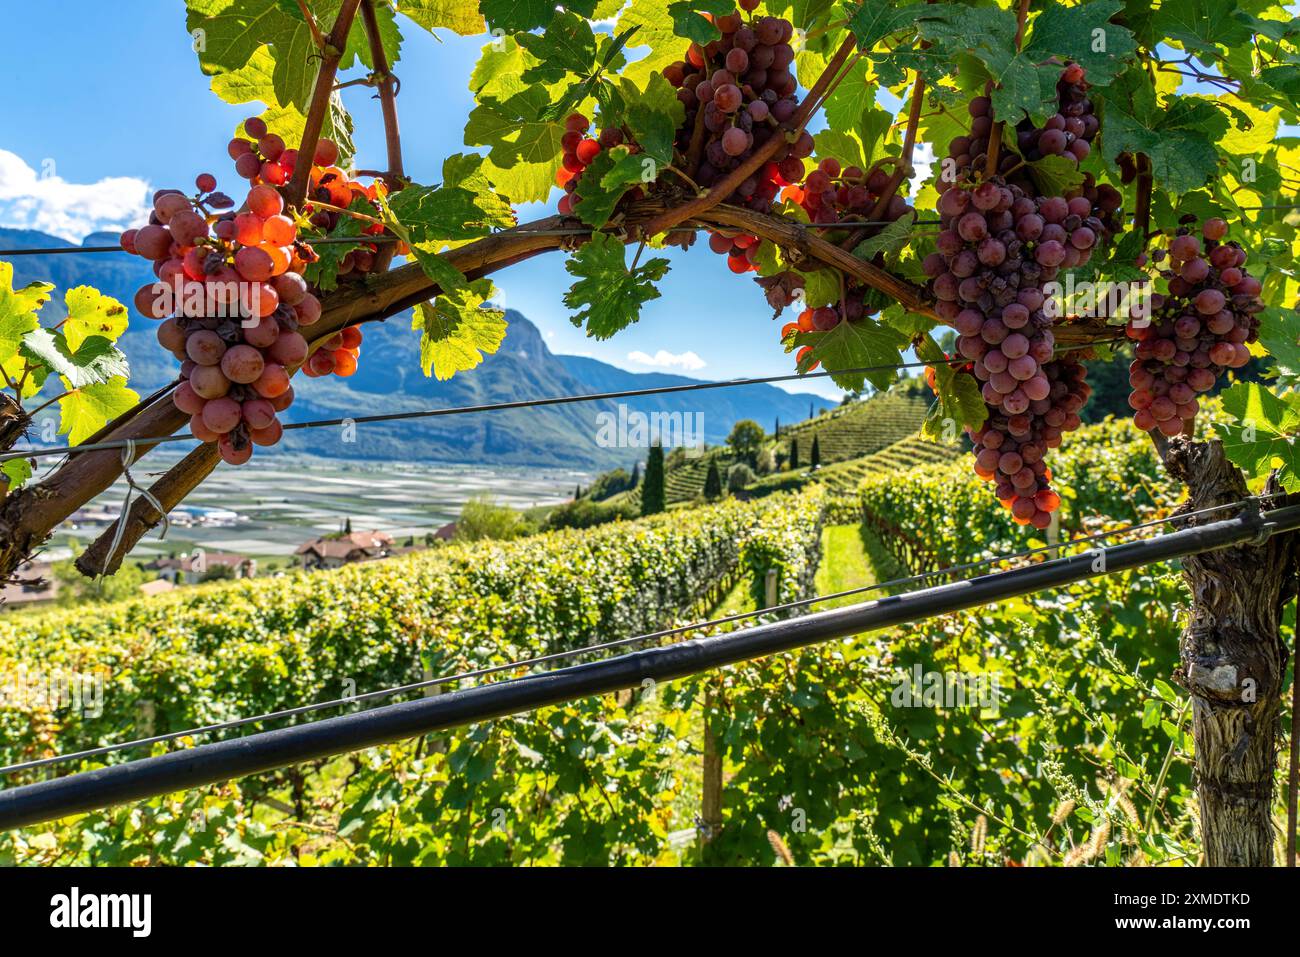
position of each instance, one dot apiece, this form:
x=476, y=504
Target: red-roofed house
x=334, y=551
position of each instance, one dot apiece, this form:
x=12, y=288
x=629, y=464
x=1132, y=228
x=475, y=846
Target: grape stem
x=388, y=105
x=995, y=134
x=312, y=25
x=726, y=186
x=347, y=212
x=331, y=54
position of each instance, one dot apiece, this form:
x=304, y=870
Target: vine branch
x=331, y=53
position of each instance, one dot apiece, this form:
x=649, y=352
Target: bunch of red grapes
x=1068, y=132
x=1196, y=332
x=231, y=298
x=740, y=89
x=998, y=248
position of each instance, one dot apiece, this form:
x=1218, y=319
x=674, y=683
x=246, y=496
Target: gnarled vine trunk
x=1233, y=663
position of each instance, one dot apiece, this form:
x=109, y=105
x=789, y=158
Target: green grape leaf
x=459, y=16
x=456, y=331
x=1085, y=35
x=85, y=409
x=91, y=313
x=1279, y=333
x=1263, y=437
x=890, y=240
x=16, y=472
x=18, y=310
x=567, y=46
x=1055, y=175
x=652, y=116
x=1178, y=134
x=688, y=22
x=843, y=145
x=94, y=361
x=855, y=345
x=608, y=293
x=516, y=15
x=872, y=22
x=654, y=35
x=524, y=146
x=959, y=404
x=821, y=287
x=1202, y=25
x=463, y=207
x=854, y=95
x=604, y=182
x=325, y=270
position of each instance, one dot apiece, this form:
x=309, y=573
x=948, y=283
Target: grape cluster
x=1196, y=332
x=998, y=247
x=1068, y=132
x=230, y=295
x=580, y=151
x=740, y=88
x=1010, y=449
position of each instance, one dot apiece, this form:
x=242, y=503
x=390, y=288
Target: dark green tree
x=794, y=453
x=815, y=457
x=652, y=495
x=746, y=439
x=777, y=431
x=636, y=475
x=713, y=482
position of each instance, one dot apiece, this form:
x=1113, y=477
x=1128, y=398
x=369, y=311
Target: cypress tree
x=713, y=482
x=652, y=496
x=794, y=453
x=815, y=457
x=636, y=475
x=777, y=431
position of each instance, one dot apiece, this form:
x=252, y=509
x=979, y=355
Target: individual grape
x=289, y=349
x=258, y=413
x=242, y=364
x=267, y=436
x=265, y=202
x=272, y=380
x=221, y=415
x=205, y=347
x=233, y=451
x=209, y=382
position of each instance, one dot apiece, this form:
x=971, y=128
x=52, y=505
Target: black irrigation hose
x=224, y=760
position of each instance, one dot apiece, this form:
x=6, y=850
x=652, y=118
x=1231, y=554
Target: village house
x=335, y=551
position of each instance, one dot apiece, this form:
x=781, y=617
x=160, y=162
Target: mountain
x=389, y=379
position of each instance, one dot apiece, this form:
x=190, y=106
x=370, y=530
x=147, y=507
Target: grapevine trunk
x=1233, y=662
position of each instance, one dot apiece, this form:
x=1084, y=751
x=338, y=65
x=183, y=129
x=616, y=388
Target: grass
x=845, y=565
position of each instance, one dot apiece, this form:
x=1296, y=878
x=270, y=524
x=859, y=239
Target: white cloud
x=663, y=359
x=49, y=203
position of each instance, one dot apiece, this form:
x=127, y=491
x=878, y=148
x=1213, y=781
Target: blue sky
x=119, y=94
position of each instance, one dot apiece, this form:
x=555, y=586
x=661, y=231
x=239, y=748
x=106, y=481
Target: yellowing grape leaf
x=91, y=313
x=84, y=411
x=18, y=308
x=456, y=331
x=459, y=16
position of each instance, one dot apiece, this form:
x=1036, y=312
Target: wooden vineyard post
x=1233, y=661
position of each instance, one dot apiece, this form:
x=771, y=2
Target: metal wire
x=605, y=646
x=504, y=406
x=360, y=240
